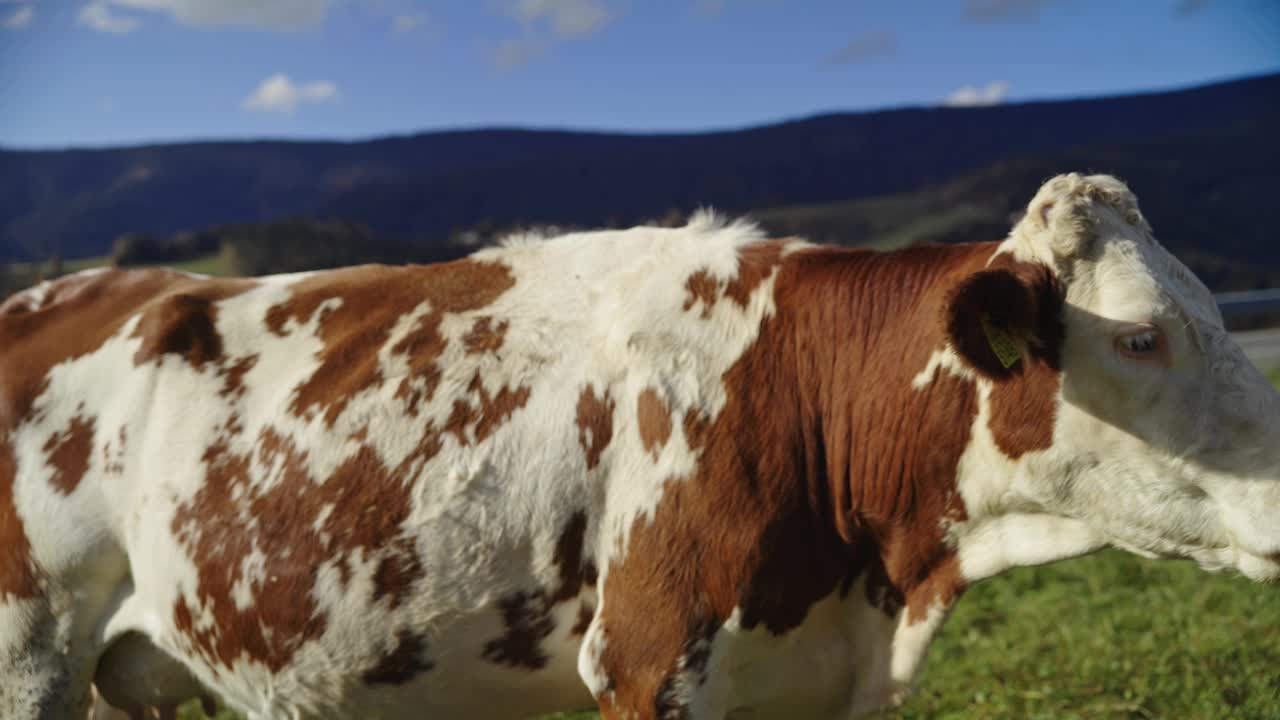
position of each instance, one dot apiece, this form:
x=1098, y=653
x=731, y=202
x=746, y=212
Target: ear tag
x=1001, y=344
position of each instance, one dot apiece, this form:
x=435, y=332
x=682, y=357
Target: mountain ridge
x=419, y=189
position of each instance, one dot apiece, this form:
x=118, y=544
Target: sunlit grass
x=1108, y=636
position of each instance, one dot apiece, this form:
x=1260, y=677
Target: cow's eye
x=1143, y=343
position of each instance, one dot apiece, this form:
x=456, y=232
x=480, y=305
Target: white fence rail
x=1262, y=346
x=1248, y=301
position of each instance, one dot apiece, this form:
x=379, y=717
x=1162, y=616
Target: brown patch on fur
x=397, y=572
x=595, y=424
x=528, y=623
x=487, y=414
x=576, y=568
x=179, y=324
x=68, y=452
x=654, y=420
x=485, y=336
x=696, y=427
x=703, y=288
x=233, y=376
x=1023, y=414
x=756, y=262
x=373, y=299
x=17, y=572
x=825, y=465
x=229, y=518
x=402, y=664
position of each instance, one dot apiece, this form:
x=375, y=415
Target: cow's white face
x=1167, y=439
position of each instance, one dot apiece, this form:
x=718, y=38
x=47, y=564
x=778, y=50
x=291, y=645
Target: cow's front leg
x=655, y=666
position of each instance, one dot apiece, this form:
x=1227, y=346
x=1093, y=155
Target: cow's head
x=1165, y=438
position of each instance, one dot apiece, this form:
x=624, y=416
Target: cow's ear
x=1000, y=320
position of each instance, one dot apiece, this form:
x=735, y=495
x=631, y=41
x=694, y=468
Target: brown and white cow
x=678, y=473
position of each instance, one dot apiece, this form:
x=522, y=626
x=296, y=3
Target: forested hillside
x=1201, y=160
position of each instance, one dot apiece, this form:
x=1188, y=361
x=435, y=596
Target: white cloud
x=409, y=22
x=513, y=53
x=969, y=96
x=868, y=45
x=567, y=18
x=20, y=18
x=262, y=14
x=279, y=94
x=99, y=16
x=547, y=23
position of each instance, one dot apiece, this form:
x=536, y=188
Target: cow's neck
x=883, y=453
x=878, y=456
x=908, y=448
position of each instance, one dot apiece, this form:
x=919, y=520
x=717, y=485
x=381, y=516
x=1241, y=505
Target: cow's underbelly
x=472, y=677
x=834, y=665
x=460, y=673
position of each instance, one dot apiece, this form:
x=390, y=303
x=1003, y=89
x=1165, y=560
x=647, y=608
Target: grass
x=1108, y=636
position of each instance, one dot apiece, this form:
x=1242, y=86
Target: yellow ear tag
x=1001, y=343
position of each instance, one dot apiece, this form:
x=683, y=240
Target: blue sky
x=97, y=72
